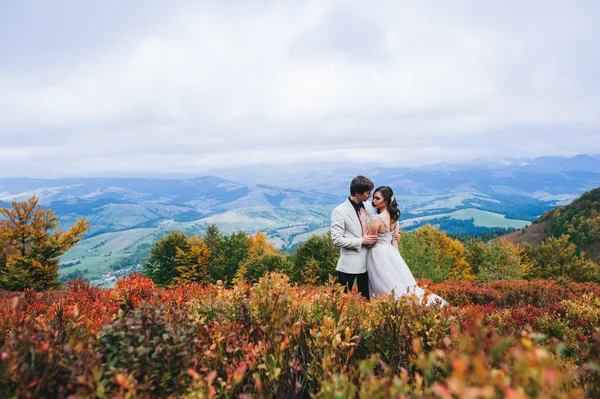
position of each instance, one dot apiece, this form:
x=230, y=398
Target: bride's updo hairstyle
x=392, y=206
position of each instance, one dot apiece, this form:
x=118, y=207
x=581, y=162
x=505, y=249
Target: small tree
x=496, y=260
x=557, y=258
x=161, y=266
x=192, y=266
x=32, y=245
x=431, y=254
x=258, y=245
x=320, y=253
x=256, y=266
x=311, y=272
x=232, y=252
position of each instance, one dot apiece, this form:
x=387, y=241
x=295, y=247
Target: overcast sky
x=107, y=87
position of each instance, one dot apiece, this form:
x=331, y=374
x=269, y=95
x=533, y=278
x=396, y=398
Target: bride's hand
x=396, y=239
x=363, y=216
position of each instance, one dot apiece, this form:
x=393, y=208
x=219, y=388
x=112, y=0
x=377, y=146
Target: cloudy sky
x=113, y=87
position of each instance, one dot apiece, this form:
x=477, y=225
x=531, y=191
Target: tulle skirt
x=388, y=272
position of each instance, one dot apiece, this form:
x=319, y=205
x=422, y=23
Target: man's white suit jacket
x=346, y=233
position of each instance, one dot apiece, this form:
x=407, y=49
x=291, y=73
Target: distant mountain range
x=552, y=175
x=113, y=204
x=521, y=190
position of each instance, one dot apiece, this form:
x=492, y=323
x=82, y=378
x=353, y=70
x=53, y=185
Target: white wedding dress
x=388, y=271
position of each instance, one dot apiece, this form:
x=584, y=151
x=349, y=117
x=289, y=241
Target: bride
x=387, y=270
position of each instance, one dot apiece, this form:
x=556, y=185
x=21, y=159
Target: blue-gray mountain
x=520, y=190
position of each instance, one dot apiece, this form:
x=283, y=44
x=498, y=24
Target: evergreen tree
x=214, y=240
x=213, y=237
x=32, y=245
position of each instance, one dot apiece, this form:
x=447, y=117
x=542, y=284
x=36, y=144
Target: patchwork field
x=97, y=253
x=480, y=218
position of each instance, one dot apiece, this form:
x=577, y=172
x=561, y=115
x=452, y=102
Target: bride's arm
x=374, y=226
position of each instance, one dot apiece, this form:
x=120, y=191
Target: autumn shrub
x=277, y=339
x=132, y=290
x=336, y=325
x=587, y=357
x=476, y=363
x=276, y=318
x=47, y=355
x=31, y=361
x=142, y=347
x=396, y=323
x=518, y=293
x=88, y=306
x=480, y=363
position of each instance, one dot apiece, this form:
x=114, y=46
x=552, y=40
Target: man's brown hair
x=361, y=184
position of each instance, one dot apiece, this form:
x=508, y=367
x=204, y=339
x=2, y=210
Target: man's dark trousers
x=362, y=281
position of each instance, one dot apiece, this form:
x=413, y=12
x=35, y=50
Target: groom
x=346, y=233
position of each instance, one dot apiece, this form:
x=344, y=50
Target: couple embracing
x=368, y=239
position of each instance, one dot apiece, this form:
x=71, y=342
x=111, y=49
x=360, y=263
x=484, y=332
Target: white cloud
x=216, y=83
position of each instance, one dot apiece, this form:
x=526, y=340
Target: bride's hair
x=390, y=200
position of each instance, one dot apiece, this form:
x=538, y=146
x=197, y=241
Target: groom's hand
x=369, y=239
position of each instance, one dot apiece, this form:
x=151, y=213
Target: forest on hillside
x=580, y=220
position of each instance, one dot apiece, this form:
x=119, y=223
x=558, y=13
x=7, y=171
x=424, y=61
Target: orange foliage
x=33, y=245
x=259, y=245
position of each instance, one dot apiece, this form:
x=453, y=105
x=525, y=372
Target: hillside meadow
x=274, y=339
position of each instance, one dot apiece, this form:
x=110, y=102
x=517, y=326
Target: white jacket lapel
x=353, y=216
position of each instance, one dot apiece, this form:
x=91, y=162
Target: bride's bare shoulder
x=375, y=221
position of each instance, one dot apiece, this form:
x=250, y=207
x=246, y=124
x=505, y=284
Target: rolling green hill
x=93, y=256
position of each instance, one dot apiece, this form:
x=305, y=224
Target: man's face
x=363, y=196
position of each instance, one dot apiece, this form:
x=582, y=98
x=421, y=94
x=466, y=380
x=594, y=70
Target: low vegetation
x=274, y=339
